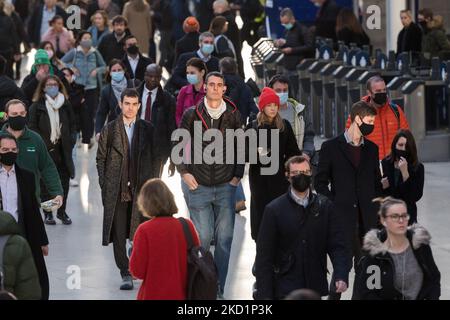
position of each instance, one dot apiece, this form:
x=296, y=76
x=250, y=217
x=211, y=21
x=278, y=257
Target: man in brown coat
x=125, y=160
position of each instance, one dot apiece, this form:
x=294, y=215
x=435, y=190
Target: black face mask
x=423, y=24
x=401, y=153
x=133, y=50
x=17, y=123
x=380, y=98
x=366, y=129
x=8, y=158
x=301, y=182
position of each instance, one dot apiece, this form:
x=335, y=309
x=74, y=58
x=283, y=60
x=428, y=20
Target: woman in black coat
x=349, y=30
x=266, y=187
x=410, y=37
x=403, y=174
x=51, y=116
x=398, y=263
x=117, y=80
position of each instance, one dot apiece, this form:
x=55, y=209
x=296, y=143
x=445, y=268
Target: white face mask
x=50, y=54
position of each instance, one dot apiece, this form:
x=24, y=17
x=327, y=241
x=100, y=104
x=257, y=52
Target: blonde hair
x=407, y=12
x=386, y=204
x=155, y=199
x=262, y=119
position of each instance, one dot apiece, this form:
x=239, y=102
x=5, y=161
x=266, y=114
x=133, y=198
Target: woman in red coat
x=159, y=249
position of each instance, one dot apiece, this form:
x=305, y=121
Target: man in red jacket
x=389, y=119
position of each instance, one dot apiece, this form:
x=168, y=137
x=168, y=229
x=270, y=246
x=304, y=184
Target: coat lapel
x=344, y=150
x=117, y=137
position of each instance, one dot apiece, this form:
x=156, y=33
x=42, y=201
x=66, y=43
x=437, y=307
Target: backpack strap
x=187, y=233
x=394, y=109
x=3, y=240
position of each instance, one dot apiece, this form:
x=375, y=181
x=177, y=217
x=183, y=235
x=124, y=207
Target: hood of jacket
x=91, y=50
x=8, y=225
x=297, y=105
x=374, y=245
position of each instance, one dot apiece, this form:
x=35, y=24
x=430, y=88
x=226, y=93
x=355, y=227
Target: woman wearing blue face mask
x=191, y=94
x=117, y=80
x=51, y=116
x=87, y=64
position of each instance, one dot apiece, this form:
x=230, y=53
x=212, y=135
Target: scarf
x=53, y=106
x=118, y=87
x=215, y=113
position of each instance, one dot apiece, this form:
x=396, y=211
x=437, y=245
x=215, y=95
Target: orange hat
x=268, y=96
x=191, y=24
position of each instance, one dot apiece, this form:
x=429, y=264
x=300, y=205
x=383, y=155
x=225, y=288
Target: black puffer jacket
x=211, y=174
x=377, y=255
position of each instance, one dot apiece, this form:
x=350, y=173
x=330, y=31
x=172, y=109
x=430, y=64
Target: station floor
x=79, y=244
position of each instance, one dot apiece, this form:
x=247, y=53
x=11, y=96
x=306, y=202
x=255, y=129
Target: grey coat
x=109, y=167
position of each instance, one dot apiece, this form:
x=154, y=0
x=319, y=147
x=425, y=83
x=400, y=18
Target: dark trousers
x=87, y=115
x=120, y=233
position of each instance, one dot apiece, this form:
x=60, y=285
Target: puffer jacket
x=210, y=174
x=386, y=126
x=376, y=255
x=85, y=64
x=20, y=275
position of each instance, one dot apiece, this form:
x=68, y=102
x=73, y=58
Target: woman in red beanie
x=159, y=248
x=265, y=188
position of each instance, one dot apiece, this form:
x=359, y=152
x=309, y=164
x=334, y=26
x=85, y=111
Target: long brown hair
x=40, y=94
x=347, y=19
x=410, y=147
x=263, y=119
x=155, y=199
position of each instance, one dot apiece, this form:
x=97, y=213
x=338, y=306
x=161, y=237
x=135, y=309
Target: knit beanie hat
x=268, y=95
x=191, y=24
x=41, y=57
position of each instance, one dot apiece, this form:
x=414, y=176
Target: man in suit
x=125, y=160
x=349, y=163
x=39, y=20
x=17, y=197
x=158, y=107
x=206, y=44
x=134, y=61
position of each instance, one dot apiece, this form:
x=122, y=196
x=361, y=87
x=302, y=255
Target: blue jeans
x=212, y=210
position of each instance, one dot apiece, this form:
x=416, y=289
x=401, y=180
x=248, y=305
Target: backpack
x=3, y=240
x=202, y=271
x=394, y=109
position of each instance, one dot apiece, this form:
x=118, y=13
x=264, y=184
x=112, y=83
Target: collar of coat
x=374, y=239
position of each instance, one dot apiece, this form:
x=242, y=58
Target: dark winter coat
x=265, y=188
x=409, y=191
x=19, y=272
x=110, y=49
x=377, y=255
x=109, y=167
x=76, y=95
x=108, y=108
x=34, y=24
x=326, y=20
x=140, y=68
x=435, y=43
x=32, y=225
x=410, y=39
x=188, y=43
x=352, y=189
x=349, y=36
x=239, y=92
x=211, y=174
x=292, y=247
x=9, y=40
x=39, y=122
x=9, y=90
x=300, y=39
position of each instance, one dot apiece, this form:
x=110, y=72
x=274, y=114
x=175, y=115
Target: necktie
x=57, y=45
x=148, y=108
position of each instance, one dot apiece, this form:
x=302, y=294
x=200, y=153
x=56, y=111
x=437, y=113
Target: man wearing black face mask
x=17, y=198
x=134, y=61
x=389, y=119
x=298, y=230
x=349, y=163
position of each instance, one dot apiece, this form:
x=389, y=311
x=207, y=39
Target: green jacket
x=33, y=156
x=20, y=274
x=435, y=43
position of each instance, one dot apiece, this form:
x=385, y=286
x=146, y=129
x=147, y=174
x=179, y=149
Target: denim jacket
x=85, y=64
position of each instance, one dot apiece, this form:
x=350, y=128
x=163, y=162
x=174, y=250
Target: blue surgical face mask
x=288, y=26
x=52, y=91
x=117, y=76
x=283, y=97
x=207, y=48
x=192, y=78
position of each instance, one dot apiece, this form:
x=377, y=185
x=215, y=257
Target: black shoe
x=64, y=218
x=127, y=283
x=49, y=219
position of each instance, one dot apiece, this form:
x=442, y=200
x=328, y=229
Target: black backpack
x=202, y=271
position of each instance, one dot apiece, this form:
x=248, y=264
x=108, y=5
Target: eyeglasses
x=296, y=173
x=397, y=217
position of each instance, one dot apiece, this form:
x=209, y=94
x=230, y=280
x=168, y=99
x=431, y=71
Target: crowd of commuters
x=103, y=85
